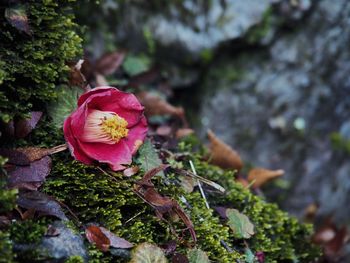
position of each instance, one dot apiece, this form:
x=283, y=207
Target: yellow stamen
x=104, y=126
x=115, y=127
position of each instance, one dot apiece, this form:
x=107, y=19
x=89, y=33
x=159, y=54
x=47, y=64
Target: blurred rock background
x=271, y=78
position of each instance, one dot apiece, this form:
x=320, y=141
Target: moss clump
x=32, y=64
x=7, y=196
x=6, y=254
x=75, y=259
x=28, y=232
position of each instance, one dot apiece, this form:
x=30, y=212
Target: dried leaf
x=148, y=253
x=116, y=242
x=17, y=17
x=25, y=126
x=163, y=130
x=187, y=183
x=31, y=176
x=42, y=203
x=162, y=204
x=131, y=171
x=108, y=63
x=95, y=236
x=24, y=156
x=222, y=154
x=169, y=247
x=183, y=132
x=260, y=176
x=179, y=258
x=197, y=256
x=76, y=78
x=155, y=105
x=239, y=223
x=29, y=214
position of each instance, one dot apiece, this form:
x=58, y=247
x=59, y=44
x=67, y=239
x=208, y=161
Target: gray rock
x=66, y=244
x=278, y=106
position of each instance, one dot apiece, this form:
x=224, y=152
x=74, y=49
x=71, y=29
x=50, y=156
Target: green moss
x=259, y=31
x=75, y=259
x=6, y=254
x=32, y=65
x=28, y=231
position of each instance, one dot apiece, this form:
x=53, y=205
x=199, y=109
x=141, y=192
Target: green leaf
x=148, y=253
x=198, y=256
x=148, y=157
x=134, y=65
x=65, y=104
x=239, y=223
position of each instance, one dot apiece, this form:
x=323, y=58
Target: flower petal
x=115, y=155
x=73, y=143
x=126, y=105
x=87, y=94
x=136, y=135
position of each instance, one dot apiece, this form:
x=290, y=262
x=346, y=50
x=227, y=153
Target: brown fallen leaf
x=41, y=202
x=24, y=126
x=108, y=63
x=116, y=242
x=260, y=176
x=144, y=188
x=76, y=78
x=95, y=236
x=155, y=105
x=131, y=171
x=30, y=177
x=183, y=132
x=222, y=154
x=26, y=155
x=17, y=17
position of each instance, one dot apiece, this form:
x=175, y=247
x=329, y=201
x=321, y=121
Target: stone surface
x=278, y=106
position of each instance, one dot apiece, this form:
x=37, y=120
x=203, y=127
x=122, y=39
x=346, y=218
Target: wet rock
x=64, y=245
x=278, y=106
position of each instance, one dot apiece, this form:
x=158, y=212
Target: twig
x=199, y=185
x=58, y=148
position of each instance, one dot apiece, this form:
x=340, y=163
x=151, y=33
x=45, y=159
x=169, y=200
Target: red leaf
x=109, y=63
x=24, y=126
x=42, y=203
x=30, y=177
x=95, y=236
x=116, y=242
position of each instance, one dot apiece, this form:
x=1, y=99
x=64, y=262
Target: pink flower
x=108, y=126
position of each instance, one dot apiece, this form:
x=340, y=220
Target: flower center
x=104, y=126
x=115, y=127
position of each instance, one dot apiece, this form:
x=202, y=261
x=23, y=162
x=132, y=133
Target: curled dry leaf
x=116, y=242
x=148, y=253
x=30, y=177
x=222, y=154
x=108, y=63
x=18, y=18
x=24, y=156
x=144, y=188
x=260, y=176
x=131, y=171
x=41, y=203
x=95, y=236
x=76, y=78
x=24, y=126
x=155, y=105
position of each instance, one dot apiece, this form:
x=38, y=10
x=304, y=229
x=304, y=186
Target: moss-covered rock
x=32, y=64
